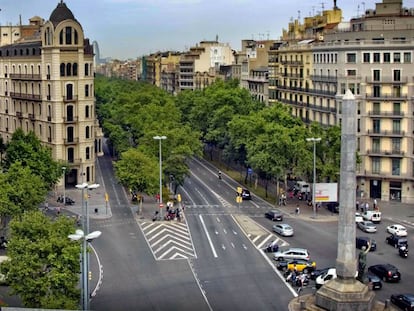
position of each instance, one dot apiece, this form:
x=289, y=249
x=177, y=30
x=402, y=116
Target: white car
x=358, y=217
x=283, y=229
x=397, y=230
x=292, y=253
x=367, y=226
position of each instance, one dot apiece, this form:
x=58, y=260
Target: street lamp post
x=64, y=185
x=314, y=140
x=159, y=138
x=85, y=231
x=80, y=234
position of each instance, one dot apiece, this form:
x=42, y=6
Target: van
x=373, y=216
x=302, y=187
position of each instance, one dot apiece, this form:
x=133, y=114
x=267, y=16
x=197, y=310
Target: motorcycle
x=271, y=248
x=403, y=251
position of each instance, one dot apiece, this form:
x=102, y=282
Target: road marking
x=208, y=237
x=265, y=240
x=244, y=246
x=256, y=238
x=232, y=244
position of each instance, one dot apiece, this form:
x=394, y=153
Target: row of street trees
x=267, y=139
x=43, y=269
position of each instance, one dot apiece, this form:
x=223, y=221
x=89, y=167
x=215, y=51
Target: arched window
x=86, y=90
x=71, y=155
x=75, y=69
x=87, y=132
x=88, y=153
x=70, y=134
x=62, y=70
x=61, y=37
x=68, y=35
x=86, y=70
x=75, y=33
x=86, y=111
x=68, y=69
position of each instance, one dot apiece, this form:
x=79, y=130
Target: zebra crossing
x=168, y=240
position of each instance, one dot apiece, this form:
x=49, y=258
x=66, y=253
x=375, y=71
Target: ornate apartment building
x=372, y=55
x=47, y=86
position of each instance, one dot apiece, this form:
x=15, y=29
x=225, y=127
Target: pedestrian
x=297, y=211
x=366, y=206
x=357, y=205
x=375, y=204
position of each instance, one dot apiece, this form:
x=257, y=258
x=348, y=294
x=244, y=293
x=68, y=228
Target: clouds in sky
x=132, y=28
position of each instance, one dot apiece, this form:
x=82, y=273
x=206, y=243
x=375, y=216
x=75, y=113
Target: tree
x=28, y=150
x=44, y=264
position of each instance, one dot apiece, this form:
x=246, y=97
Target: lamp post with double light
x=160, y=138
x=80, y=235
x=314, y=140
x=85, y=231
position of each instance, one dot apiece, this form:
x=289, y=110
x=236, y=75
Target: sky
x=127, y=29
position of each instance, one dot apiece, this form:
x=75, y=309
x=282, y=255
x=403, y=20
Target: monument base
x=344, y=294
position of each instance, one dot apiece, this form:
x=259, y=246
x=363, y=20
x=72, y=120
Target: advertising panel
x=326, y=192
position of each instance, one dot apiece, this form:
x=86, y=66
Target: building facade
x=47, y=86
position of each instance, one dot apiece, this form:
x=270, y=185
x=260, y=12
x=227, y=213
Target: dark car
x=315, y=273
x=403, y=301
x=373, y=281
x=246, y=194
x=274, y=215
x=362, y=241
x=396, y=241
x=387, y=272
x=333, y=207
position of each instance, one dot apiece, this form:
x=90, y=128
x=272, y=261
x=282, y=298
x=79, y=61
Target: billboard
x=326, y=192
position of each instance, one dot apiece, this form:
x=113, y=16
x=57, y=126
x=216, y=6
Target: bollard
x=302, y=304
x=386, y=304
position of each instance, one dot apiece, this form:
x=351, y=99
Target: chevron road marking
x=168, y=231
x=176, y=249
x=172, y=237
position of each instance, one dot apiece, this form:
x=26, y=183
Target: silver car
x=283, y=229
x=367, y=226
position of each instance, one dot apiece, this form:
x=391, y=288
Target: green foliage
x=44, y=266
x=17, y=191
x=31, y=153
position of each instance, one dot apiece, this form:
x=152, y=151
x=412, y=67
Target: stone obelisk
x=345, y=292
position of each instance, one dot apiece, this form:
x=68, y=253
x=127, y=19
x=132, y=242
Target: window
x=396, y=127
x=87, y=90
x=71, y=155
x=396, y=108
x=86, y=70
x=396, y=166
x=396, y=145
x=351, y=72
x=397, y=57
x=377, y=57
x=407, y=57
x=397, y=75
x=367, y=58
x=376, y=126
x=62, y=70
x=70, y=134
x=376, y=145
x=75, y=69
x=87, y=132
x=86, y=111
x=88, y=153
x=376, y=75
x=387, y=57
x=377, y=91
x=351, y=58
x=68, y=69
x=68, y=35
x=376, y=165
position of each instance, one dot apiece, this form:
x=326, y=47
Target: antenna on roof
x=323, y=5
x=363, y=5
x=299, y=15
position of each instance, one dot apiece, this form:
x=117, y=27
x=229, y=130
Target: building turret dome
x=61, y=13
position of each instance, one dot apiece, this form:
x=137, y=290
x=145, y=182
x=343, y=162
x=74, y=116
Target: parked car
x=317, y=272
x=325, y=277
x=396, y=241
x=301, y=265
x=373, y=216
x=387, y=272
x=292, y=253
x=397, y=230
x=362, y=241
x=367, y=226
x=245, y=194
x=274, y=215
x=373, y=281
x=333, y=207
x=358, y=217
x=403, y=301
x=283, y=229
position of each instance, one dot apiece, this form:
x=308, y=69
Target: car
x=403, y=301
x=397, y=230
x=358, y=217
x=396, y=241
x=387, y=272
x=292, y=253
x=298, y=265
x=274, y=215
x=283, y=229
x=245, y=194
x=373, y=216
x=330, y=274
x=317, y=272
x=367, y=226
x=373, y=281
x=362, y=241
x=333, y=207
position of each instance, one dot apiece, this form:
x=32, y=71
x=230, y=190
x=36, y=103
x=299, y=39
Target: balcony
x=31, y=77
x=322, y=78
x=386, y=133
x=68, y=99
x=32, y=117
x=385, y=175
x=72, y=141
x=25, y=96
x=19, y=114
x=386, y=80
x=386, y=97
x=385, y=153
x=386, y=114
x=70, y=120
